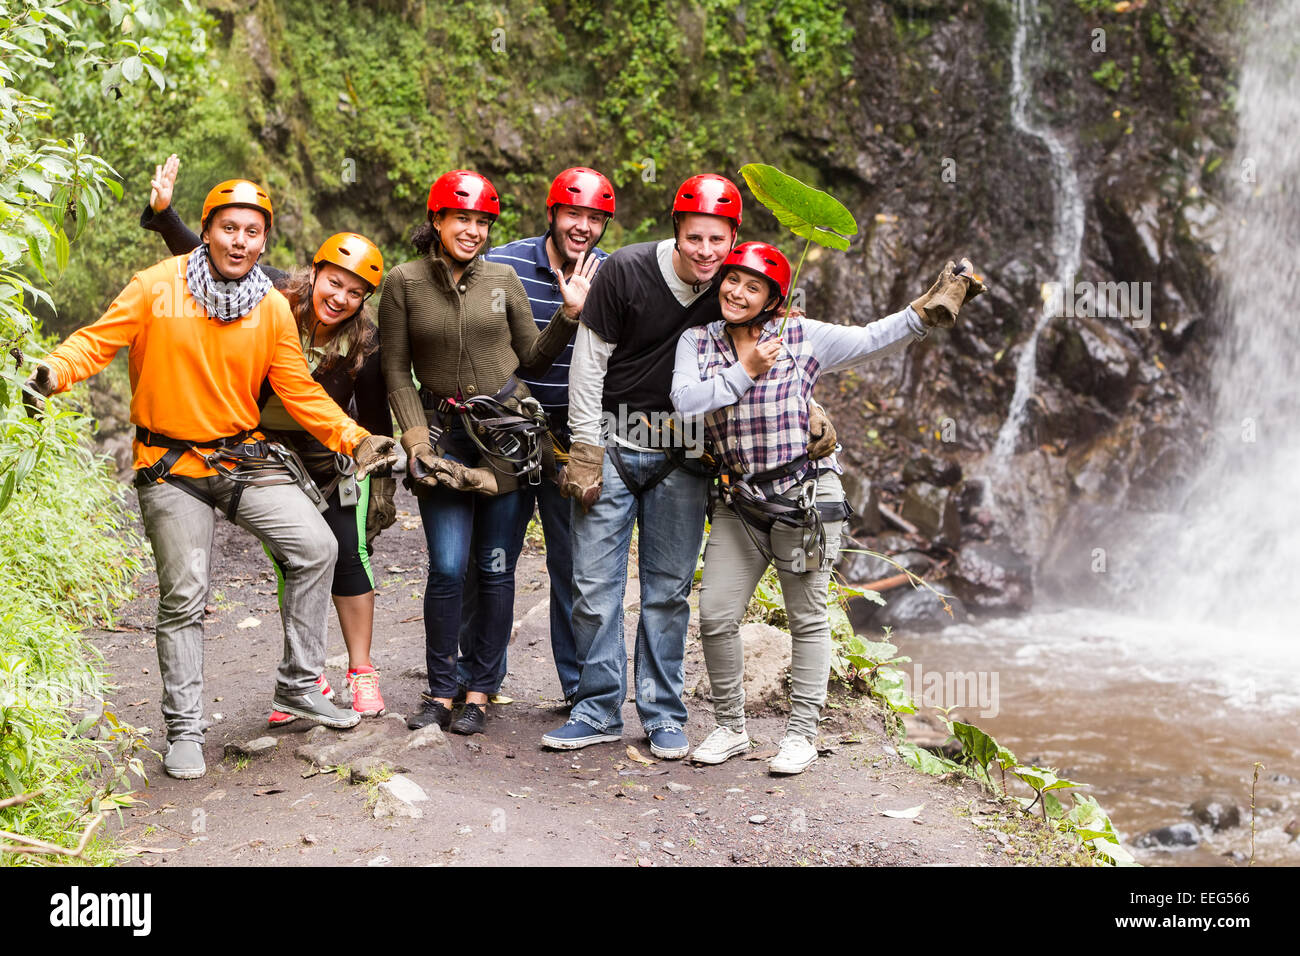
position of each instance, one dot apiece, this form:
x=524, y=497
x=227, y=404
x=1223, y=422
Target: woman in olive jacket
x=456, y=327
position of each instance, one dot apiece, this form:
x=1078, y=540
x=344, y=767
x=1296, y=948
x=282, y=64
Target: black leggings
x=352, y=574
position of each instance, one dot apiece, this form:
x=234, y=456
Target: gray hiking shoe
x=184, y=760
x=313, y=706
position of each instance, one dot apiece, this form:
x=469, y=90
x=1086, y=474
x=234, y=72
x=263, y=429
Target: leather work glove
x=373, y=451
x=458, y=477
x=582, y=477
x=956, y=286
x=381, y=511
x=821, y=433
x=421, y=462
x=36, y=389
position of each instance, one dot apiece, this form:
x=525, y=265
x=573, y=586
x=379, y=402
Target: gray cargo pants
x=733, y=567
x=180, y=530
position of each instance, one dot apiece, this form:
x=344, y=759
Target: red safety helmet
x=236, y=192
x=584, y=187
x=355, y=253
x=710, y=194
x=762, y=259
x=462, y=189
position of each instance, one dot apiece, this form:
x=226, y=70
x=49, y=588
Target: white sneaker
x=795, y=755
x=721, y=744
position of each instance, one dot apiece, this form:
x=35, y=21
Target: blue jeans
x=458, y=525
x=670, y=517
x=554, y=510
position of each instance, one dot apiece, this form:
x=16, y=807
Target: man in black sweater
x=621, y=471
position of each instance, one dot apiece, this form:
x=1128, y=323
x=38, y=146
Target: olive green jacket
x=464, y=338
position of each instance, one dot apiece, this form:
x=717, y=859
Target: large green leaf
x=925, y=761
x=979, y=746
x=889, y=685
x=804, y=210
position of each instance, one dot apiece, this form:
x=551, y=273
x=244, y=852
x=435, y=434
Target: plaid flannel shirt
x=768, y=426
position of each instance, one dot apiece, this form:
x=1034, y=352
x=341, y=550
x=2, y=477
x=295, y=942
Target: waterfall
x=1236, y=554
x=1067, y=224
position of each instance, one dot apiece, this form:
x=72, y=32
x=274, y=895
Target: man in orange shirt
x=204, y=331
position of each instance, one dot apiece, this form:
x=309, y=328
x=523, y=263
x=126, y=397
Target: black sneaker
x=431, y=712
x=470, y=720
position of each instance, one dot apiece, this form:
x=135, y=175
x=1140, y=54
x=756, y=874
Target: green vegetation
x=65, y=562
x=1157, y=48
x=347, y=111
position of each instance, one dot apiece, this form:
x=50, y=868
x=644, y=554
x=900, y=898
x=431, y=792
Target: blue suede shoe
x=668, y=744
x=575, y=735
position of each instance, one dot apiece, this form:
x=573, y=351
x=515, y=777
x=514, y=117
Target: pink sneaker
x=364, y=685
x=279, y=718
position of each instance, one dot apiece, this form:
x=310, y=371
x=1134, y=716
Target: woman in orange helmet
x=341, y=345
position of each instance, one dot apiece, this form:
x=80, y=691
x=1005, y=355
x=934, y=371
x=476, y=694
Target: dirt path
x=499, y=798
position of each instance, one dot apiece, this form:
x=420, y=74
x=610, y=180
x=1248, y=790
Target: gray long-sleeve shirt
x=836, y=348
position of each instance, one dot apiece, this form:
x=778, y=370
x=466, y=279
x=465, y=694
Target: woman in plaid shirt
x=753, y=384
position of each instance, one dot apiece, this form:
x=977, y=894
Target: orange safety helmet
x=236, y=192
x=355, y=253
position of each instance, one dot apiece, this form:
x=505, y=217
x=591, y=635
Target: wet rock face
x=934, y=511
x=992, y=577
x=1117, y=396
x=1093, y=360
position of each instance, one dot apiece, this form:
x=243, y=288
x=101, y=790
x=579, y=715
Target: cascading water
x=1175, y=691
x=1237, y=551
x=1067, y=224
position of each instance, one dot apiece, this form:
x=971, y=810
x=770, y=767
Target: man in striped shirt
x=556, y=269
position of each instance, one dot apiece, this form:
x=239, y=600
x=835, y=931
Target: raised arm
x=535, y=351
x=838, y=347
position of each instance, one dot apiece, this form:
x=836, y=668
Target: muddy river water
x=1152, y=716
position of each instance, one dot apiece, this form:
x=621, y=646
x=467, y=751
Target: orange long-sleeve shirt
x=194, y=377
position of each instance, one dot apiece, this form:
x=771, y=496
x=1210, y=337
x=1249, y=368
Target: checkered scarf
x=768, y=427
x=222, y=299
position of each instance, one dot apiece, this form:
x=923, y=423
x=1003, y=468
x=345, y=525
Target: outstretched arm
x=838, y=347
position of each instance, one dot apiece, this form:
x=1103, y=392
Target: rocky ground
x=380, y=795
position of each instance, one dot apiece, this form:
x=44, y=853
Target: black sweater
x=365, y=398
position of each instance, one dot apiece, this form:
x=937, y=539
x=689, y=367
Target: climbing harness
x=797, y=508
x=515, y=441
x=238, y=458
x=676, y=453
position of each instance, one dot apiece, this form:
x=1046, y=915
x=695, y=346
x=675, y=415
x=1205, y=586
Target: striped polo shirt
x=528, y=258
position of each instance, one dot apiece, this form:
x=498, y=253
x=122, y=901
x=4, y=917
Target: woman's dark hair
x=424, y=236
x=358, y=331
